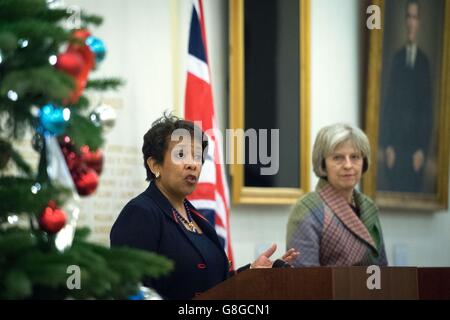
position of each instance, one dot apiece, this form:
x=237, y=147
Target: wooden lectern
x=434, y=283
x=332, y=283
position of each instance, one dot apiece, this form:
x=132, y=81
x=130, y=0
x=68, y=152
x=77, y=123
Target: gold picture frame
x=245, y=194
x=425, y=185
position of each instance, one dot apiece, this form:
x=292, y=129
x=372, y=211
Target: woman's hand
x=290, y=255
x=263, y=261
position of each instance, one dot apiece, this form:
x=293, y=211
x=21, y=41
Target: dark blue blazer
x=147, y=222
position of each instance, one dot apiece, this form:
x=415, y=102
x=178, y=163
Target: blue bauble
x=145, y=293
x=53, y=119
x=97, y=47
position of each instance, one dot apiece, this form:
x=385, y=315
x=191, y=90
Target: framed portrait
x=408, y=102
x=269, y=100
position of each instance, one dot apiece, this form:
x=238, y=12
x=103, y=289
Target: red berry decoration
x=92, y=159
x=86, y=181
x=73, y=160
x=83, y=165
x=52, y=219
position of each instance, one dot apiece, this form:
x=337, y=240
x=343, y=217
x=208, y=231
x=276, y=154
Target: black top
x=147, y=222
x=212, y=254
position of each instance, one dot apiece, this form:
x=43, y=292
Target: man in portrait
x=406, y=114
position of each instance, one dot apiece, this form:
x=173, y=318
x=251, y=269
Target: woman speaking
x=163, y=221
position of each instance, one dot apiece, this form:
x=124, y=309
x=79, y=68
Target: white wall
x=147, y=44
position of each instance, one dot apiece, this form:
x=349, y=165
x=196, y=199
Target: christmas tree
x=44, y=75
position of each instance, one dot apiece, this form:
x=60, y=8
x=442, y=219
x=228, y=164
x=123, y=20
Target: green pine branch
x=14, y=242
x=84, y=132
x=105, y=273
x=43, y=82
x=8, y=43
x=54, y=15
x=91, y=19
x=37, y=32
x=21, y=164
x=81, y=104
x=8, y=151
x=16, y=196
x=104, y=84
x=16, y=119
x=34, y=87
x=12, y=10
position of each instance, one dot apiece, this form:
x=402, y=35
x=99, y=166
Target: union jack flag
x=211, y=196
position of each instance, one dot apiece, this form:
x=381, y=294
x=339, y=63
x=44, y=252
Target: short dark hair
x=157, y=138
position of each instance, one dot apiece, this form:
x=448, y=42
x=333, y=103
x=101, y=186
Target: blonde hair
x=330, y=138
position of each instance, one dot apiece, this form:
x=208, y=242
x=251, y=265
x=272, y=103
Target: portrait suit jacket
x=327, y=232
x=147, y=222
x=406, y=121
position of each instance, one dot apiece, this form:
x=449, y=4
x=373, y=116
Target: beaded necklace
x=189, y=223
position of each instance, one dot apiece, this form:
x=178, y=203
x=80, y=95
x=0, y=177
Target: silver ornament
x=104, y=116
x=149, y=294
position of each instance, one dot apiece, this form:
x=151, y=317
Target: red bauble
x=92, y=159
x=70, y=62
x=73, y=160
x=52, y=219
x=83, y=165
x=79, y=48
x=86, y=181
